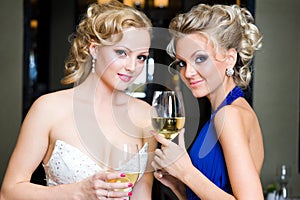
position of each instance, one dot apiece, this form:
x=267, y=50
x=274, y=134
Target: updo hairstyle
x=226, y=27
x=98, y=25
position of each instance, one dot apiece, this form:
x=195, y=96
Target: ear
x=231, y=58
x=93, y=49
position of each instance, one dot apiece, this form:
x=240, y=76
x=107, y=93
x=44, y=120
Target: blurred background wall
x=276, y=88
x=11, y=65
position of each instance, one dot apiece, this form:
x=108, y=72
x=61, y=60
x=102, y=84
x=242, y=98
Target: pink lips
x=124, y=77
x=195, y=83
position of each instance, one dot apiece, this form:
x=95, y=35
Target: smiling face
x=118, y=65
x=201, y=67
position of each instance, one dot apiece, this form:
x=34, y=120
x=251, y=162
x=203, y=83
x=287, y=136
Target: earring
x=93, y=65
x=229, y=72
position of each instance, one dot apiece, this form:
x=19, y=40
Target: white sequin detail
x=68, y=164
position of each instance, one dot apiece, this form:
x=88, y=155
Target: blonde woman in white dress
x=70, y=131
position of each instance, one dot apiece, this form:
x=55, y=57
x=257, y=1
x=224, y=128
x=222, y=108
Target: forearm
x=144, y=194
x=143, y=188
x=202, y=186
x=26, y=190
x=180, y=191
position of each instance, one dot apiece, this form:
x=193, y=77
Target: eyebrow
x=144, y=50
x=192, y=55
x=196, y=52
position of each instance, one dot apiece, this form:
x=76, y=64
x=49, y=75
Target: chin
x=121, y=87
x=199, y=94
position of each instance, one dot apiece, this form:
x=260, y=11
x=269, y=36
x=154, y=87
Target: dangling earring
x=229, y=72
x=93, y=65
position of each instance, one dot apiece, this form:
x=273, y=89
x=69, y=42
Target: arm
x=173, y=183
x=30, y=149
x=238, y=158
x=143, y=188
x=176, y=162
x=235, y=141
x=141, y=116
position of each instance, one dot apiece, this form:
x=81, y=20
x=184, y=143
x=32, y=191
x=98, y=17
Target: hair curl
x=100, y=22
x=226, y=27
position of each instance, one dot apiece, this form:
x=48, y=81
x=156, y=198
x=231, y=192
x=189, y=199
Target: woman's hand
x=172, y=158
x=101, y=186
x=170, y=163
x=167, y=179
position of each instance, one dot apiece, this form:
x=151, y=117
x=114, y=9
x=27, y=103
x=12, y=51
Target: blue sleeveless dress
x=206, y=152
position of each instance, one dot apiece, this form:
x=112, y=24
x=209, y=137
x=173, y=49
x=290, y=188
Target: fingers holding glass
x=124, y=161
x=105, y=189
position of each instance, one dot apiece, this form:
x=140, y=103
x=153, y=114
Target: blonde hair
x=226, y=27
x=98, y=25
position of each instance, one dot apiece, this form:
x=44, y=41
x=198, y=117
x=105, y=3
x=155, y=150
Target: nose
x=190, y=71
x=130, y=65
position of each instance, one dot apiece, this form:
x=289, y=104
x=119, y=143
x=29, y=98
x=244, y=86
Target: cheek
x=108, y=69
x=139, y=66
x=116, y=64
x=182, y=75
x=213, y=76
x=139, y=70
x=209, y=70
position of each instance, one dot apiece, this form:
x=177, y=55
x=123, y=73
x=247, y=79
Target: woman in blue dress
x=213, y=47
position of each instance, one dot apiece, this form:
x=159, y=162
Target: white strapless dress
x=68, y=164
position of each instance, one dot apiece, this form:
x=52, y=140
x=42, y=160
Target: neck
x=102, y=94
x=217, y=96
x=93, y=88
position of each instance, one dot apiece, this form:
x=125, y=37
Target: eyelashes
x=177, y=65
x=197, y=60
x=201, y=59
x=123, y=53
x=142, y=57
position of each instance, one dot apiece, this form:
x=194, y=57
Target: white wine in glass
x=124, y=160
x=168, y=116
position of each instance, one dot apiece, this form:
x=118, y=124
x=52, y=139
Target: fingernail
x=152, y=132
x=130, y=194
x=130, y=184
x=122, y=175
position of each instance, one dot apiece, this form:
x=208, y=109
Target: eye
x=142, y=58
x=180, y=64
x=201, y=58
x=121, y=52
x=177, y=65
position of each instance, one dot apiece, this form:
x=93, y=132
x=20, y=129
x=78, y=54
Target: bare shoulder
x=41, y=117
x=238, y=128
x=52, y=103
x=140, y=103
x=139, y=107
x=58, y=95
x=139, y=111
x=237, y=118
x=141, y=114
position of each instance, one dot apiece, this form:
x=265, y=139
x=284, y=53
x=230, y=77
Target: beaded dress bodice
x=68, y=164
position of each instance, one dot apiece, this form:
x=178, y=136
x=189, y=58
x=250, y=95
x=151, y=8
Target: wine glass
x=168, y=116
x=124, y=159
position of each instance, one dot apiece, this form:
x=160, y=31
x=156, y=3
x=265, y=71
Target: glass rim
x=167, y=91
